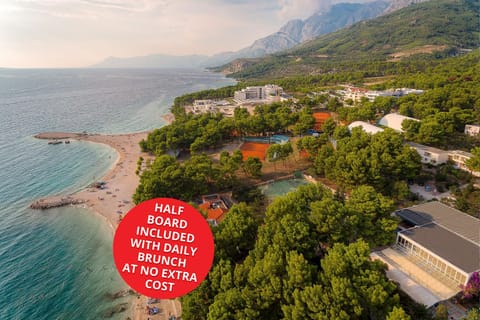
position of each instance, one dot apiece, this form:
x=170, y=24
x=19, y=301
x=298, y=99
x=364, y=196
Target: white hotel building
x=267, y=93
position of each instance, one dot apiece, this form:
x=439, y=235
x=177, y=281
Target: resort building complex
x=356, y=94
x=267, y=93
x=458, y=158
x=437, y=249
x=212, y=106
x=442, y=238
x=472, y=129
x=430, y=155
x=246, y=98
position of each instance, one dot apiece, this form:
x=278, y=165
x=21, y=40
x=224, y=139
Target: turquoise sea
x=57, y=264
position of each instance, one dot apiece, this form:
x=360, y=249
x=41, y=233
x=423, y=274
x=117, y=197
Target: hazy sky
x=76, y=33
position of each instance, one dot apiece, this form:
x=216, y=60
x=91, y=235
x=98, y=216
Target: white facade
x=430, y=155
x=444, y=239
x=267, y=93
x=203, y=106
x=400, y=92
x=250, y=93
x=394, y=121
x=212, y=106
x=367, y=127
x=356, y=94
x=273, y=90
x=458, y=158
x=431, y=260
x=371, y=95
x=405, y=91
x=472, y=129
x=436, y=252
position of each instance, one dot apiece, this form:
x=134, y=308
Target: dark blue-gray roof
x=458, y=222
x=447, y=232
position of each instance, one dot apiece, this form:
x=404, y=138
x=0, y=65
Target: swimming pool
x=276, y=138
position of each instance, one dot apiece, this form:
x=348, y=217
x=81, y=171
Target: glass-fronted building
x=442, y=240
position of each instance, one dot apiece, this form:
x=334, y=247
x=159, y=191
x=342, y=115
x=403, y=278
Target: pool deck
x=276, y=138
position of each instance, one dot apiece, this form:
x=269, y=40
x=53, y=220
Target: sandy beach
x=114, y=198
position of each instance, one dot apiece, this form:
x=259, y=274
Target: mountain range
x=290, y=35
x=440, y=27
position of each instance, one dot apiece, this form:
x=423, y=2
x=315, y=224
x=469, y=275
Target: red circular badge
x=163, y=248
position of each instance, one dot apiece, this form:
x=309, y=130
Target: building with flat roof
x=430, y=155
x=458, y=158
x=266, y=93
x=472, y=129
x=203, y=106
x=436, y=252
x=212, y=106
x=443, y=239
x=356, y=94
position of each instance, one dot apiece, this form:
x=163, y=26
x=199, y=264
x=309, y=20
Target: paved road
x=428, y=195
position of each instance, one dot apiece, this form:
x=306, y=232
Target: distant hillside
x=298, y=31
x=440, y=25
x=399, y=4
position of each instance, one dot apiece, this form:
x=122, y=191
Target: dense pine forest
x=306, y=254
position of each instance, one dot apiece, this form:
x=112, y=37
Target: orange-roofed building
x=320, y=118
x=354, y=93
x=215, y=208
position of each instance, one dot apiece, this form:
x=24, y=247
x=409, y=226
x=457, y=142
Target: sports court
x=254, y=149
x=320, y=118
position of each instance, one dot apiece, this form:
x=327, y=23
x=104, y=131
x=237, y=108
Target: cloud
x=89, y=8
x=126, y=5
x=291, y=9
x=83, y=32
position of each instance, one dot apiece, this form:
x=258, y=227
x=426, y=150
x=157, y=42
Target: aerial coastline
x=111, y=196
x=335, y=160
x=114, y=198
x=34, y=169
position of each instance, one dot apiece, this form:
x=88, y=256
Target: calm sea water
x=58, y=264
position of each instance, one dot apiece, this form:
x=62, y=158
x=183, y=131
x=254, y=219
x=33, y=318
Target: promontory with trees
x=306, y=255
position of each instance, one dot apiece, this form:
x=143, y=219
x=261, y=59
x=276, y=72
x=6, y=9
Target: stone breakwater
x=54, y=202
x=62, y=135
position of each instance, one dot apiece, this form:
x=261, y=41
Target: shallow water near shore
x=57, y=264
